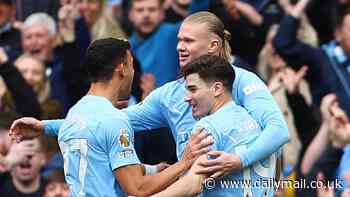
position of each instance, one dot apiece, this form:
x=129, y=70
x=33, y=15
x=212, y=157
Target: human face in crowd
x=29, y=170
x=56, y=189
x=199, y=95
x=37, y=41
x=5, y=14
x=193, y=42
x=32, y=71
x=128, y=75
x=146, y=15
x=90, y=10
x=343, y=34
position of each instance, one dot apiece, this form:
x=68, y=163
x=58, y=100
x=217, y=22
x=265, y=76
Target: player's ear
x=213, y=47
x=218, y=88
x=120, y=69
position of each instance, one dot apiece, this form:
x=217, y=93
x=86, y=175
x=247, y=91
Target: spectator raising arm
x=24, y=96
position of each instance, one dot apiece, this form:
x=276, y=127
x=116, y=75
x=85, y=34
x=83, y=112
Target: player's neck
x=105, y=89
x=220, y=101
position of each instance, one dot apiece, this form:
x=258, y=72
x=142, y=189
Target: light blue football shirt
x=95, y=139
x=234, y=130
x=165, y=106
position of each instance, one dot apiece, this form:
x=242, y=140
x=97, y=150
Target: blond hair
x=215, y=26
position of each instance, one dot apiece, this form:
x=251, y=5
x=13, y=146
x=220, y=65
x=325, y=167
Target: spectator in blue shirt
x=154, y=42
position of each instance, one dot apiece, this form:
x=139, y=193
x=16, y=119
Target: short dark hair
x=6, y=2
x=102, y=56
x=211, y=68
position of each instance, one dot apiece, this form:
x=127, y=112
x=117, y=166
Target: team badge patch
x=252, y=88
x=124, y=138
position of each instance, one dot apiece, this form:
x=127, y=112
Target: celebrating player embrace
x=200, y=34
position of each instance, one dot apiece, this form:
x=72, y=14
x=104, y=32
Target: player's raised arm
x=28, y=128
x=149, y=114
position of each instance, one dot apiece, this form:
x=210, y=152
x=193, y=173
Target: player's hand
x=198, y=145
x=26, y=128
x=222, y=164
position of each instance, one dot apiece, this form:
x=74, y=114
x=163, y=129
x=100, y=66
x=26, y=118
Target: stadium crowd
x=299, y=48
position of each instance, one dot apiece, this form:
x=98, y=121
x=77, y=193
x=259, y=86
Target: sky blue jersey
x=95, y=139
x=165, y=106
x=234, y=130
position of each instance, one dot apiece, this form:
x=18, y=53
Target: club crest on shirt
x=124, y=138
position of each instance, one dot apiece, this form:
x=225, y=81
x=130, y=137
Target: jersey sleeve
x=254, y=96
x=51, y=127
x=148, y=114
x=119, y=143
